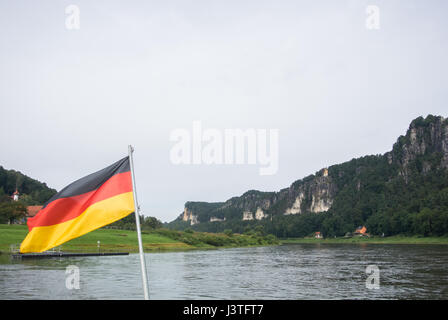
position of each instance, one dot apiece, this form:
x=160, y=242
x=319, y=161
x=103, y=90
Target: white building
x=15, y=195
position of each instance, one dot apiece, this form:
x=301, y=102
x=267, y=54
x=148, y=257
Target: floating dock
x=66, y=255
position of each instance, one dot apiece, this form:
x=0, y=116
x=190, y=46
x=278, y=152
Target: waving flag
x=87, y=204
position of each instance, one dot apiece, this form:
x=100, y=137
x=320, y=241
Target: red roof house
x=361, y=231
x=32, y=211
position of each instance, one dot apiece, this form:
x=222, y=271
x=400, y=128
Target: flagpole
x=137, y=222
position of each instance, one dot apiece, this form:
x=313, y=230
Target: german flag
x=87, y=204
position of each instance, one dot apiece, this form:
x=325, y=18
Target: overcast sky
x=72, y=100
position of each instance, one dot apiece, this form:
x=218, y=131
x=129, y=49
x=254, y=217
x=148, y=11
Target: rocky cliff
x=424, y=148
x=426, y=142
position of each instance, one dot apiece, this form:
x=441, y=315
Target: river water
x=294, y=271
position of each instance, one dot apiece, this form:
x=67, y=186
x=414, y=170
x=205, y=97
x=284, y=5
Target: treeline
x=252, y=237
x=227, y=238
x=128, y=223
x=32, y=192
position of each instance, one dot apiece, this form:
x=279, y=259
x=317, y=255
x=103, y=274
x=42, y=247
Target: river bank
x=113, y=240
x=372, y=240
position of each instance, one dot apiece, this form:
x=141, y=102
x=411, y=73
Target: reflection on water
x=305, y=271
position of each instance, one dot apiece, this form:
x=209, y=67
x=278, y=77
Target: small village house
x=361, y=231
x=31, y=211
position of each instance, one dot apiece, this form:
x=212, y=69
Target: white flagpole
x=137, y=222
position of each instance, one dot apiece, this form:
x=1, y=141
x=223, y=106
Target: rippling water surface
x=296, y=271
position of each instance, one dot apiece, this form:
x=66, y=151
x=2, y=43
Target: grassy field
x=373, y=240
x=110, y=240
x=126, y=241
x=170, y=240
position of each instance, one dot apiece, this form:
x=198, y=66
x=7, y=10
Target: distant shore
x=160, y=240
x=371, y=240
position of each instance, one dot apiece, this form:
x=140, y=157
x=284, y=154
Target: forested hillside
x=32, y=192
x=404, y=191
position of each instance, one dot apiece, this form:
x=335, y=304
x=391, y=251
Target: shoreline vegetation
x=157, y=240
x=165, y=240
x=369, y=240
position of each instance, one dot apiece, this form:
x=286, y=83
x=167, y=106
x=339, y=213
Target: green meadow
x=113, y=240
x=110, y=240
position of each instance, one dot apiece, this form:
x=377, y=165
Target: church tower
x=15, y=195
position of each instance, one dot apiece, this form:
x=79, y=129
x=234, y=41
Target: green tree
x=151, y=223
x=12, y=211
x=423, y=222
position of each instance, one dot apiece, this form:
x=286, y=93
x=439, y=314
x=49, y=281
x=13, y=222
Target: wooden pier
x=65, y=255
